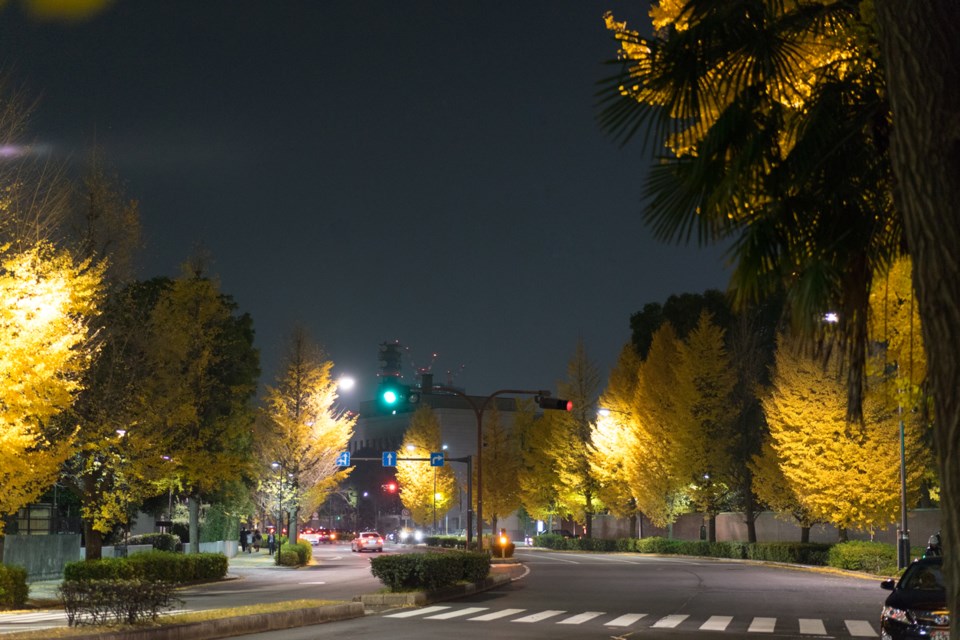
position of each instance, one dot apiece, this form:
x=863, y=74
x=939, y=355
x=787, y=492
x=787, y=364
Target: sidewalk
x=43, y=593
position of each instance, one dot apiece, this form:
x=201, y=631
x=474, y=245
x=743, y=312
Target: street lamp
x=279, y=469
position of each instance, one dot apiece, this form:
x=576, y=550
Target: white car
x=367, y=541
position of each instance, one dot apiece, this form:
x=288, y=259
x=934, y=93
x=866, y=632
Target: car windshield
x=923, y=577
x=370, y=535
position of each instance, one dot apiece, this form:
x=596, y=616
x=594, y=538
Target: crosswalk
x=46, y=619
x=757, y=625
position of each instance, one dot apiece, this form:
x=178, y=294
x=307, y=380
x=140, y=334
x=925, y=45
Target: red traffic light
x=390, y=487
x=555, y=403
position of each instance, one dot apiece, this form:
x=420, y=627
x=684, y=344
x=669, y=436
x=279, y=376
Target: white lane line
x=625, y=620
x=669, y=622
x=580, y=618
x=416, y=612
x=860, y=628
x=469, y=611
x=812, y=626
x=762, y=625
x=716, y=623
x=537, y=617
x=496, y=615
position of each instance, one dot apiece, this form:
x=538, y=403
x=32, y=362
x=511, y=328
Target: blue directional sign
x=436, y=459
x=343, y=460
x=389, y=458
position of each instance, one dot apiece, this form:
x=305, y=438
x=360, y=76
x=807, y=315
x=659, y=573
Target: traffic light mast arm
x=427, y=386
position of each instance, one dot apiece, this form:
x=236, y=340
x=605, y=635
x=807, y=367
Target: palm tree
x=775, y=133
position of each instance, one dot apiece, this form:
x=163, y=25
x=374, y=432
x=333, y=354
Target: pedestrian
x=243, y=539
x=257, y=539
x=249, y=541
x=271, y=542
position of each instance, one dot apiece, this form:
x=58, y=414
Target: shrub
x=13, y=587
x=872, y=557
x=429, y=571
x=102, y=569
x=160, y=541
x=793, y=552
x=289, y=557
x=550, y=541
x=302, y=550
x=502, y=551
x=101, y=602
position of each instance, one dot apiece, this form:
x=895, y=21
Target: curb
x=377, y=601
x=238, y=625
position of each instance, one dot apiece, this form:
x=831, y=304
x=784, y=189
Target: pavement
x=47, y=611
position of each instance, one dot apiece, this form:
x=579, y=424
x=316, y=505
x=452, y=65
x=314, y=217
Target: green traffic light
x=390, y=396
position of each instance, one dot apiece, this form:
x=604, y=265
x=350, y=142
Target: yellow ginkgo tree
x=47, y=300
x=424, y=489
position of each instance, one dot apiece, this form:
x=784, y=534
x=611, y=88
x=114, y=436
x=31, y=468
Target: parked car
x=367, y=541
x=917, y=608
x=327, y=536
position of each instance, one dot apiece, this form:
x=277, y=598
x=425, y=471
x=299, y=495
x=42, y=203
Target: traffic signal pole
x=427, y=386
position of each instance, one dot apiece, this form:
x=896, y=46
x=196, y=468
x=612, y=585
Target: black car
x=917, y=608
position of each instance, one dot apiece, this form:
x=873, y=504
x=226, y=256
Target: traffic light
x=554, y=403
x=390, y=487
x=393, y=397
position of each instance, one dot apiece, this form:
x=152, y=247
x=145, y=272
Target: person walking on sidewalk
x=271, y=542
x=243, y=539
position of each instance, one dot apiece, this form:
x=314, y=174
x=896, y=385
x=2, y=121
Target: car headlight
x=899, y=615
x=418, y=535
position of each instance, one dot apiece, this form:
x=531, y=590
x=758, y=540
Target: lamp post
x=427, y=387
x=279, y=469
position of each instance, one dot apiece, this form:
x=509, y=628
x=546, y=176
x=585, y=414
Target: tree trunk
x=712, y=527
x=93, y=541
x=842, y=534
x=293, y=532
x=193, y=508
x=921, y=52
x=805, y=534
x=633, y=525
x=749, y=513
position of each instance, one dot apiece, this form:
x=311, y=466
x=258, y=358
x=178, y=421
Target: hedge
x=429, y=571
x=160, y=541
x=13, y=587
x=151, y=566
x=871, y=557
x=302, y=551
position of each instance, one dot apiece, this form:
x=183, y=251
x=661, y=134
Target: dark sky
x=429, y=172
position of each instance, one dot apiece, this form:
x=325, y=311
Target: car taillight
x=333, y=536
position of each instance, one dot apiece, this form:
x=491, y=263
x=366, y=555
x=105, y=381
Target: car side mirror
x=888, y=584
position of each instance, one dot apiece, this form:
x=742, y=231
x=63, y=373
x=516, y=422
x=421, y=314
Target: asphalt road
x=604, y=596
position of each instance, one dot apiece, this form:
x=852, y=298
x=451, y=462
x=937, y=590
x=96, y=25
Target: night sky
x=428, y=172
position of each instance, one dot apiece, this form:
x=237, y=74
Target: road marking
x=625, y=620
x=716, y=623
x=416, y=612
x=313, y=583
x=669, y=622
x=581, y=617
x=812, y=626
x=496, y=615
x=456, y=614
x=537, y=617
x=763, y=625
x=860, y=628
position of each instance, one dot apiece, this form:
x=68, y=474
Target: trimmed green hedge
x=152, y=566
x=13, y=587
x=429, y=571
x=302, y=550
x=160, y=541
x=871, y=557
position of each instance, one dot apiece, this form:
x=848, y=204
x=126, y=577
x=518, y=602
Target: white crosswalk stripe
x=762, y=625
x=626, y=620
x=806, y=626
x=669, y=622
x=716, y=623
x=417, y=612
x=537, y=617
x=457, y=613
x=496, y=615
x=812, y=627
x=860, y=628
x=581, y=618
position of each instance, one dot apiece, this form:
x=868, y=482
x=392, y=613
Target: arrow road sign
x=343, y=460
x=436, y=459
x=389, y=458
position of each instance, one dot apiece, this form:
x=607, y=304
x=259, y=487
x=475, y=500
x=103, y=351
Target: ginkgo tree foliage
x=47, y=302
x=839, y=472
x=307, y=430
x=501, y=465
x=198, y=400
x=424, y=488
